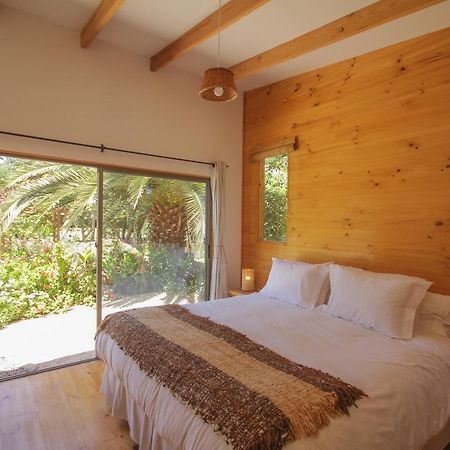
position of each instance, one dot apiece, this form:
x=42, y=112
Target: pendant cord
x=218, y=36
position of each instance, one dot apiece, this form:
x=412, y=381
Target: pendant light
x=218, y=83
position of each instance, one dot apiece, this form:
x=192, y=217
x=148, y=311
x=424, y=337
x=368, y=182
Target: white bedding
x=407, y=381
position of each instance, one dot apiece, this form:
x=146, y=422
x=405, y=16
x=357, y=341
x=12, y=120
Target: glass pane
x=153, y=241
x=47, y=264
x=275, y=198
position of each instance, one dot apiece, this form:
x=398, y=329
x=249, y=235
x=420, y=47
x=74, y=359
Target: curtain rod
x=102, y=148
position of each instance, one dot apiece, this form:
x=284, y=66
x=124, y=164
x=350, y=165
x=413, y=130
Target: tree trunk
x=57, y=218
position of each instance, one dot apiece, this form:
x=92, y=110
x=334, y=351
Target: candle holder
x=248, y=280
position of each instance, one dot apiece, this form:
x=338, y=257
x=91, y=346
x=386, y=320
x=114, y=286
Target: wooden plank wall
x=370, y=183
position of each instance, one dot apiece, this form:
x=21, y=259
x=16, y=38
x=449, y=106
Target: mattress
x=407, y=381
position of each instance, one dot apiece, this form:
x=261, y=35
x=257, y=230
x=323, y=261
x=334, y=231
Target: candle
x=248, y=279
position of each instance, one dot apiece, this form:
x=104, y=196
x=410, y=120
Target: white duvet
x=407, y=381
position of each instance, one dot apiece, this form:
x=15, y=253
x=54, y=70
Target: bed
x=407, y=382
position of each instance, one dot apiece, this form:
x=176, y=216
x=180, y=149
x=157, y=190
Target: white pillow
x=436, y=304
x=384, y=302
x=429, y=324
x=433, y=314
x=300, y=283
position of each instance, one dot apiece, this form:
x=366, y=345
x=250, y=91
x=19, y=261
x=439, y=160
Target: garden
x=153, y=237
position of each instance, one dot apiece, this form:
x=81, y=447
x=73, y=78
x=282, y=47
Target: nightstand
x=236, y=292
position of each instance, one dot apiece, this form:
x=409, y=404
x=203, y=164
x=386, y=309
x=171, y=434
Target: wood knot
x=439, y=223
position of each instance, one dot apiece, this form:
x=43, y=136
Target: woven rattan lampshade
x=218, y=85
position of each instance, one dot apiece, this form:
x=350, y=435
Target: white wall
x=50, y=86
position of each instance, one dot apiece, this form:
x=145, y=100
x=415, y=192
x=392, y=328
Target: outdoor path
x=55, y=336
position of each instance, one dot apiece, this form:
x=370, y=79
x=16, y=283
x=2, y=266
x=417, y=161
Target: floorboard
x=60, y=409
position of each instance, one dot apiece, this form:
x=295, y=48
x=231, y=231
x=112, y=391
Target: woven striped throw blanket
x=255, y=398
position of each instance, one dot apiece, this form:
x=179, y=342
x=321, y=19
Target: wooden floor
x=59, y=410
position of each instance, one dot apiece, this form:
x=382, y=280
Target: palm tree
x=48, y=190
x=177, y=213
x=172, y=211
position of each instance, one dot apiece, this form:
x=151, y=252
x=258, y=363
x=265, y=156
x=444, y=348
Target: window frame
x=261, y=207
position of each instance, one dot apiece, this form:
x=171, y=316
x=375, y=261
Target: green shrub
x=177, y=271
x=130, y=271
x=41, y=277
x=36, y=280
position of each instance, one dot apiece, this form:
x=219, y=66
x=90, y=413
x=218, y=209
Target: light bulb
x=218, y=91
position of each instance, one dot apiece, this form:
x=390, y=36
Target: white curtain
x=219, y=288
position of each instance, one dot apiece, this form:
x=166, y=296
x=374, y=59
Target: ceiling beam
x=231, y=12
x=102, y=15
x=371, y=16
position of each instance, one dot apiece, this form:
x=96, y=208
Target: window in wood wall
x=274, y=198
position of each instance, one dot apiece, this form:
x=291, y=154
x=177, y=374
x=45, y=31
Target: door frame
x=101, y=169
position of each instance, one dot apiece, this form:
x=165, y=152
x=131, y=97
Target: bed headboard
x=370, y=183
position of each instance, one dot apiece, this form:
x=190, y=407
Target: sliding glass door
x=154, y=241
x=149, y=237
x=47, y=264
